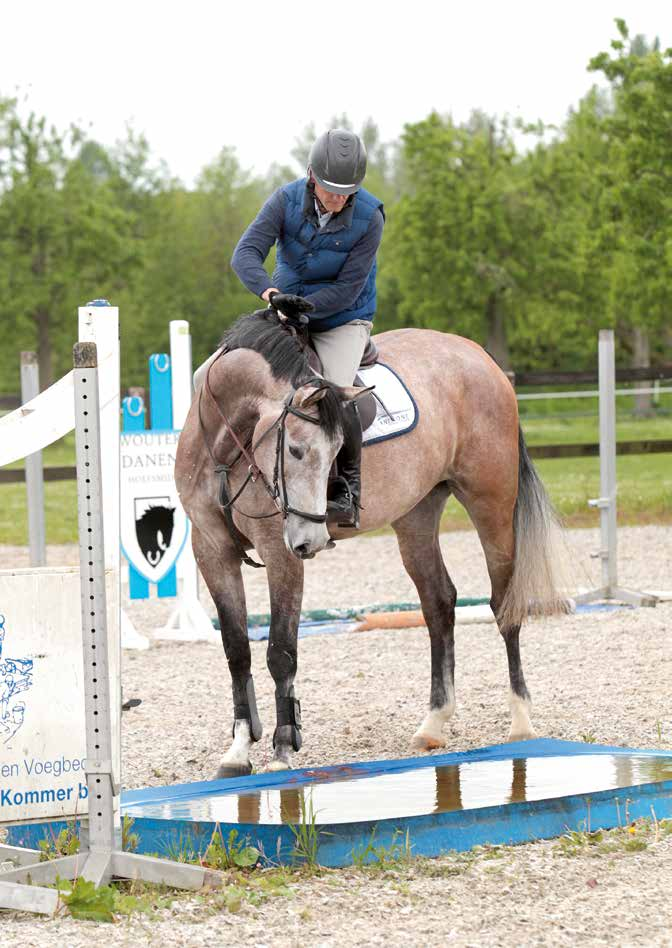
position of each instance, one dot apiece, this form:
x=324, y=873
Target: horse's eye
x=296, y=452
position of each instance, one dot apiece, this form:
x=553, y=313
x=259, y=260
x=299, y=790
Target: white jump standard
x=101, y=861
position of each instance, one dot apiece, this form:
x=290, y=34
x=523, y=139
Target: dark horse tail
x=538, y=562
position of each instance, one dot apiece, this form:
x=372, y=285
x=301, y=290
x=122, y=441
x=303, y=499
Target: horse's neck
x=242, y=383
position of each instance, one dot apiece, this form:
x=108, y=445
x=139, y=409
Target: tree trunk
x=44, y=349
x=641, y=359
x=496, y=343
x=667, y=339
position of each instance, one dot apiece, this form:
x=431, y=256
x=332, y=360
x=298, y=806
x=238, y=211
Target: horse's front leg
x=222, y=574
x=285, y=583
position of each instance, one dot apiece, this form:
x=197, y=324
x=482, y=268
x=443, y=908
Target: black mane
x=284, y=351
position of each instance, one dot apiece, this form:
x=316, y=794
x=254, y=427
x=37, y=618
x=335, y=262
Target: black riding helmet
x=338, y=161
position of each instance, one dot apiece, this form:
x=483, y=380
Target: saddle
x=366, y=404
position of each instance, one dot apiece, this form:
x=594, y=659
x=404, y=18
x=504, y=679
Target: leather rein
x=277, y=490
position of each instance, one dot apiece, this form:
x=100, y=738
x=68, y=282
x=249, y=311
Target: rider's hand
x=293, y=308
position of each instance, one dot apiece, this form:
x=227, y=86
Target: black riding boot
x=343, y=508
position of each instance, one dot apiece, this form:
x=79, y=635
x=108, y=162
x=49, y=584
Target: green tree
x=63, y=236
x=186, y=263
x=461, y=230
x=640, y=185
x=564, y=298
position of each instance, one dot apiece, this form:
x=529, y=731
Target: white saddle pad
x=397, y=411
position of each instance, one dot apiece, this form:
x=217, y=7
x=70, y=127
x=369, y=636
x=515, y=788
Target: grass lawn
x=644, y=490
x=644, y=481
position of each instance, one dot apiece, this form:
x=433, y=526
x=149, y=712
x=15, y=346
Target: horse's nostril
x=303, y=549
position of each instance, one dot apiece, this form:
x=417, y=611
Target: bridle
x=277, y=490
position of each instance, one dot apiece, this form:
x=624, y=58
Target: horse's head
x=297, y=452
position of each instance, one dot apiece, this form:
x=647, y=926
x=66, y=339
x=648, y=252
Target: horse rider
x=327, y=228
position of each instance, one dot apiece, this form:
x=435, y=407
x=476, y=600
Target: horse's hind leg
x=222, y=575
x=493, y=518
x=418, y=536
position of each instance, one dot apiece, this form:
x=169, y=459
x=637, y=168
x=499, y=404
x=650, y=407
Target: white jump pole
x=104, y=331
x=606, y=502
x=189, y=622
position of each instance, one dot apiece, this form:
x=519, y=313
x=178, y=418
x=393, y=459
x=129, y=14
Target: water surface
x=341, y=797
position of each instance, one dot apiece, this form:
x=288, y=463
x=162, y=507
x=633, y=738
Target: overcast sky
x=195, y=76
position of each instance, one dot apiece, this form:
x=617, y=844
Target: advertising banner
x=42, y=726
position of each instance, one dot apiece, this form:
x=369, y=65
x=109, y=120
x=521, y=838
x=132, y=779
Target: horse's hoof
x=278, y=765
x=226, y=771
x=423, y=742
x=519, y=735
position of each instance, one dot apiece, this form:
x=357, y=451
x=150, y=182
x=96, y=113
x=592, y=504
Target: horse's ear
x=308, y=395
x=349, y=393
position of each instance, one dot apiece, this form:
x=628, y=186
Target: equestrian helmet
x=338, y=161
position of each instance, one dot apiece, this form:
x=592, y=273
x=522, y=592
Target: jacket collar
x=337, y=221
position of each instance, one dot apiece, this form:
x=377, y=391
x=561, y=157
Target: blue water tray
x=499, y=795
x=496, y=795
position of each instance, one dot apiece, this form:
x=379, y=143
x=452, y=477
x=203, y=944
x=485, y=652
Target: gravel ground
x=604, y=676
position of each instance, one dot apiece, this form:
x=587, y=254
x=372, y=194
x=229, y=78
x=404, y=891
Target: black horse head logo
x=154, y=531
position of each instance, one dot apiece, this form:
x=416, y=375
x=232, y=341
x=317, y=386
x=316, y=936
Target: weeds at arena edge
x=255, y=885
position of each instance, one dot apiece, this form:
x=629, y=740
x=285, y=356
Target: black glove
x=291, y=306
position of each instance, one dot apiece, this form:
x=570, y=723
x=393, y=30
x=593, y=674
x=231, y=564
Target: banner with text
x=42, y=729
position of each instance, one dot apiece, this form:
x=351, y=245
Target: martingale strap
x=225, y=503
x=278, y=490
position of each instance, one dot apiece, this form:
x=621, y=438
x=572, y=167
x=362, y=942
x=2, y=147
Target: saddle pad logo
x=396, y=411
x=154, y=527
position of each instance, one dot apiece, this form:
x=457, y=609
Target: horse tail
x=538, y=559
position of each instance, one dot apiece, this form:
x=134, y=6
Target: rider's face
x=332, y=202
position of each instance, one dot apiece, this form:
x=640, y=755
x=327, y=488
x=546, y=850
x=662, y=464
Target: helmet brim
x=335, y=188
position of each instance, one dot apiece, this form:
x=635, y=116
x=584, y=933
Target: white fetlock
x=429, y=735
x=521, y=726
x=238, y=755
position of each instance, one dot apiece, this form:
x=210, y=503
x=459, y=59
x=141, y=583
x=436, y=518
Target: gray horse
x=252, y=470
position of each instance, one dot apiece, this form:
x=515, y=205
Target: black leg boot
x=343, y=508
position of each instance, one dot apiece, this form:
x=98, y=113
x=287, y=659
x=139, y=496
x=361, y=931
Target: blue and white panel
x=42, y=731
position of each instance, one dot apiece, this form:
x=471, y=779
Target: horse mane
x=284, y=351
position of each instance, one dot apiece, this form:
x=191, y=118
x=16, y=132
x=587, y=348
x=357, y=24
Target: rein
x=277, y=491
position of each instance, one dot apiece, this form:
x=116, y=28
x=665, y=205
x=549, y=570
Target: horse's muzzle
x=304, y=539
x=303, y=552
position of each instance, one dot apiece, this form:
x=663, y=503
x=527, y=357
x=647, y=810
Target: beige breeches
x=341, y=350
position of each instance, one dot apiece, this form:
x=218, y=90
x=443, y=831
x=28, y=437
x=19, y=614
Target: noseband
x=277, y=490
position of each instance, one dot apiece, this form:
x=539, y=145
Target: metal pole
x=606, y=502
x=608, y=487
x=30, y=388
x=99, y=771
